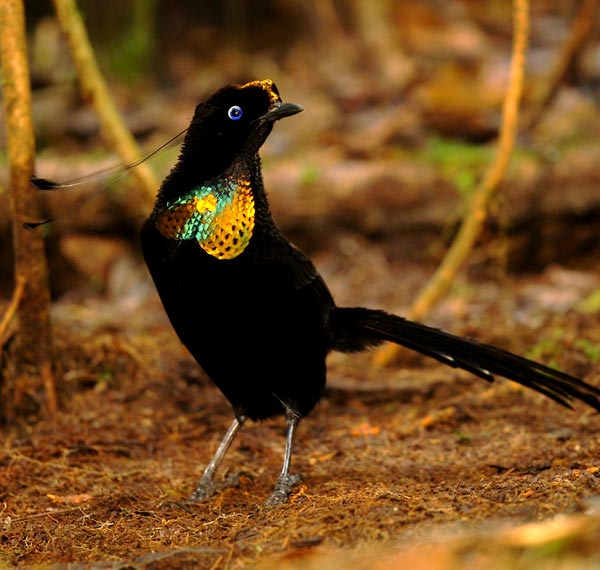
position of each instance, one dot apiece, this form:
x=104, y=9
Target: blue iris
x=234, y=113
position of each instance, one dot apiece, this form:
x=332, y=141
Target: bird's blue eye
x=234, y=113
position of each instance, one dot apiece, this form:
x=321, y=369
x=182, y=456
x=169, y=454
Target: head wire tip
x=44, y=183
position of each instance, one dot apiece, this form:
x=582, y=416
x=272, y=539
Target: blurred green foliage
x=591, y=304
x=460, y=162
x=125, y=36
x=589, y=348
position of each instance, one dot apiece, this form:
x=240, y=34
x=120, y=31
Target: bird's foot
x=203, y=491
x=283, y=489
x=207, y=488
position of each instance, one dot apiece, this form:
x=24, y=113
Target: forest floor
x=414, y=463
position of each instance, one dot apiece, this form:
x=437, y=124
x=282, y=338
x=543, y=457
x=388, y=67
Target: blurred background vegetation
x=402, y=111
x=402, y=104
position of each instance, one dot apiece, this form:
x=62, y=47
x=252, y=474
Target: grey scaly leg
x=286, y=482
x=206, y=487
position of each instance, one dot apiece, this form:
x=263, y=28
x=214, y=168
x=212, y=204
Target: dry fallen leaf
x=70, y=499
x=364, y=429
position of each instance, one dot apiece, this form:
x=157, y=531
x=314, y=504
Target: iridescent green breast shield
x=220, y=216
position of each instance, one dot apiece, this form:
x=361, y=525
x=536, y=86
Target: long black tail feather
x=353, y=329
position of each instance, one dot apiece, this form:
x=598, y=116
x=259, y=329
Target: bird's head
x=232, y=123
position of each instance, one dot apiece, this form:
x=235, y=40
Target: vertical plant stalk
x=582, y=29
x=12, y=308
x=33, y=350
x=95, y=90
x=476, y=211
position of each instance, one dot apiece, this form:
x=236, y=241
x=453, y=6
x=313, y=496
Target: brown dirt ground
x=413, y=462
x=415, y=465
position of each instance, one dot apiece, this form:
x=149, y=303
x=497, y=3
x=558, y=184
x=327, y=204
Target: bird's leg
x=206, y=487
x=286, y=482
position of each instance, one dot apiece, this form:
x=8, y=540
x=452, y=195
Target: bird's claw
x=203, y=491
x=283, y=489
x=208, y=488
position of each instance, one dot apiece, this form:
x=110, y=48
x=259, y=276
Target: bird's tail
x=353, y=329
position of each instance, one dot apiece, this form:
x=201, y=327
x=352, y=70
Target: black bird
x=252, y=308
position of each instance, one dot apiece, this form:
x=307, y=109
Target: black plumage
x=252, y=308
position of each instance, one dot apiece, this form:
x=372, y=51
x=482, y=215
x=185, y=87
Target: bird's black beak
x=279, y=112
